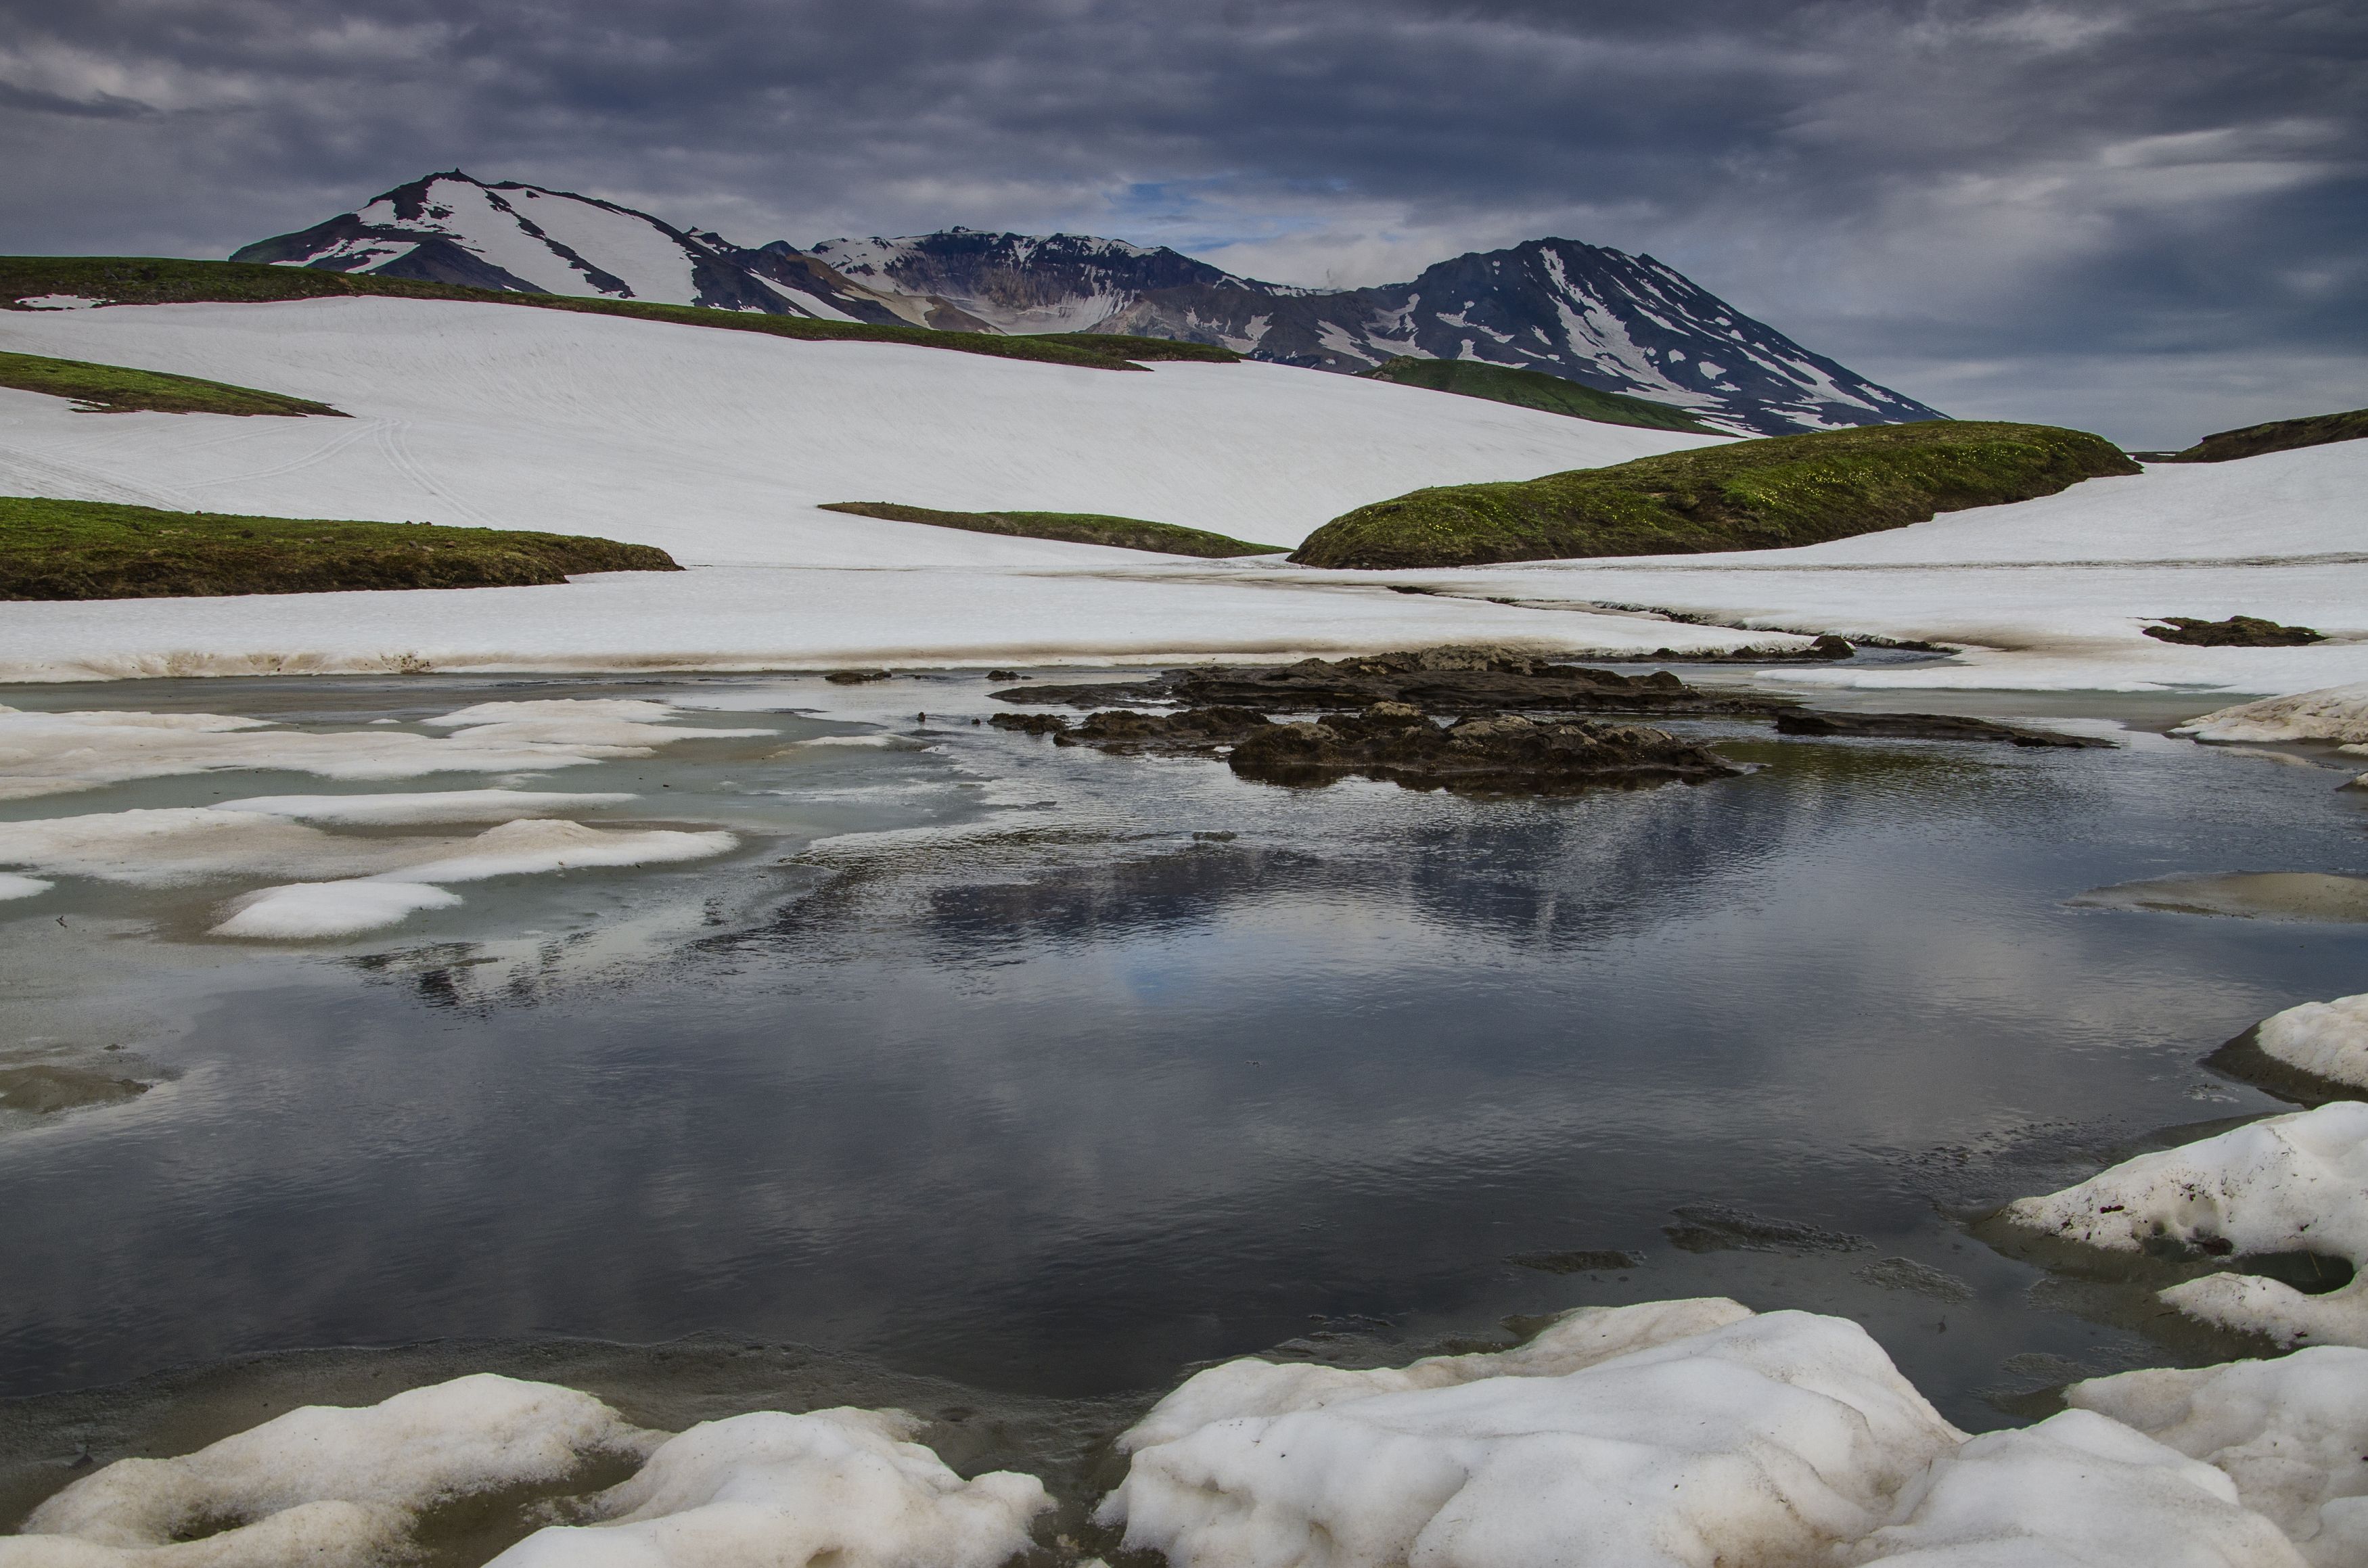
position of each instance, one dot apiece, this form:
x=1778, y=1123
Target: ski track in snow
x=716, y=446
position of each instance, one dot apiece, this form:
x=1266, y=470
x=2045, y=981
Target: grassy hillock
x=1763, y=494
x=2277, y=436
x=164, y=280
x=1535, y=389
x=113, y=389
x=96, y=550
x=1076, y=528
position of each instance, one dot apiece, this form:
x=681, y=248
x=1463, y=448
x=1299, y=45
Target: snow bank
x=172, y=845
x=2329, y=1040
x=2077, y=1491
x=2331, y=713
x=838, y=1487
x=45, y=754
x=14, y=886
x=1674, y=1433
x=349, y=906
x=2292, y=1433
x=2295, y=1183
x=304, y=911
x=324, y=1486
x=420, y=810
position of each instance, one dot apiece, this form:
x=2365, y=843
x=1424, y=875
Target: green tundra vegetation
x=98, y=550
x=164, y=280
x=113, y=389
x=1076, y=528
x=1760, y=495
x=2277, y=436
x=1535, y=389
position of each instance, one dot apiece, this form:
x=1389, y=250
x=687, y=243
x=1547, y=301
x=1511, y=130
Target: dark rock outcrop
x=1495, y=754
x=2236, y=631
x=1438, y=680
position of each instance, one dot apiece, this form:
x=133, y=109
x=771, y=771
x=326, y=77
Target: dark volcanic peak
x=1598, y=317
x=453, y=228
x=1027, y=283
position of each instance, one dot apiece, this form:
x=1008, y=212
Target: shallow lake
x=1047, y=1075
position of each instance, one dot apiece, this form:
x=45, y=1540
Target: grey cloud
x=1996, y=197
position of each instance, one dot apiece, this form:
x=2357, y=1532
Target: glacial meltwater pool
x=1000, y=1077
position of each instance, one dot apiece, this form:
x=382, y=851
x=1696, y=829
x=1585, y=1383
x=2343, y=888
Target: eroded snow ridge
x=767, y=1489
x=1671, y=1432
x=49, y=754
x=2331, y=713
x=2327, y=1039
x=2288, y=1184
x=2292, y=1433
x=323, y=1486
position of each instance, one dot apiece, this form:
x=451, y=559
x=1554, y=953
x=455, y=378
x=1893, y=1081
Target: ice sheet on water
x=2292, y=1433
x=423, y=809
x=2287, y=1184
x=770, y=1490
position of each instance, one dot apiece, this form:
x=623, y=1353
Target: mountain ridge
x=1598, y=317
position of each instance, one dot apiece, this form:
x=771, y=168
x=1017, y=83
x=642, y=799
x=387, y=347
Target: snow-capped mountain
x=1593, y=315
x=451, y=228
x=1601, y=317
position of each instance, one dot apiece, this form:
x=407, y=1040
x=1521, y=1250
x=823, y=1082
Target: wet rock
x=854, y=677
x=1500, y=753
x=1924, y=727
x=1194, y=731
x=1030, y=723
x=2236, y=631
x=1439, y=680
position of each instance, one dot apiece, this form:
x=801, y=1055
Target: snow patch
x=769, y=1489
x=2329, y=1040
x=306, y=911
x=1672, y=1433
x=2292, y=1433
x=2287, y=1184
x=403, y=811
x=12, y=885
x=2331, y=713
x=60, y=303
x=323, y=1486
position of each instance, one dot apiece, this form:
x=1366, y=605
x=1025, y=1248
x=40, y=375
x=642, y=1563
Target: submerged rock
x=1500, y=753
x=45, y=1090
x=1925, y=727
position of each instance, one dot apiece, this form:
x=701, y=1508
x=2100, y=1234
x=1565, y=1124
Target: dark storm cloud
x=2144, y=215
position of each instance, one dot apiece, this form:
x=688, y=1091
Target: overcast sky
x=2146, y=217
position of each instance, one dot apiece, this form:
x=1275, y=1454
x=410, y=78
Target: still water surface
x=1051, y=1073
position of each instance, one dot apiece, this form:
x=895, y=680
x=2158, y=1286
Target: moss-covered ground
x=1076, y=528
x=2277, y=436
x=1535, y=389
x=96, y=550
x=1762, y=494
x=113, y=389
x=166, y=281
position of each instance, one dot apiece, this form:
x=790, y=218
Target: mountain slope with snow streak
x=451, y=228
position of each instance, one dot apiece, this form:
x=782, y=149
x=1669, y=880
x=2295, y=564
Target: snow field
x=352, y=883
x=716, y=446
x=2327, y=1039
x=2292, y=1433
x=2285, y=1184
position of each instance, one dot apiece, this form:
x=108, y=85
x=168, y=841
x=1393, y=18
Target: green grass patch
x=2277, y=436
x=113, y=389
x=1763, y=494
x=98, y=549
x=166, y=281
x=1535, y=389
x=1076, y=528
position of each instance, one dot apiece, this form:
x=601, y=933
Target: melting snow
x=2326, y=1038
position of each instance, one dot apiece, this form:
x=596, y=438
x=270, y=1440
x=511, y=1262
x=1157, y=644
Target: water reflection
x=1060, y=1101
